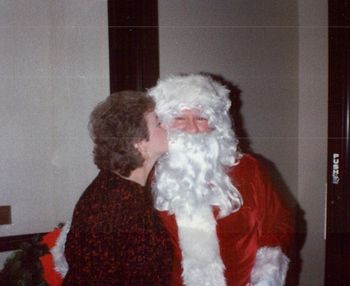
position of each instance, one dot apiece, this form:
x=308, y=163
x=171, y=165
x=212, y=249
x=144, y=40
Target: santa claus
x=226, y=221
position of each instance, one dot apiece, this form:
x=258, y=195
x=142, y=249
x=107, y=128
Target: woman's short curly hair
x=115, y=125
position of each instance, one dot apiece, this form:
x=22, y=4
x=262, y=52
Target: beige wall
x=53, y=70
x=276, y=53
x=253, y=45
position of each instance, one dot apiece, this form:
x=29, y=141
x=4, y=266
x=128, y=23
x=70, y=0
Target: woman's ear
x=141, y=146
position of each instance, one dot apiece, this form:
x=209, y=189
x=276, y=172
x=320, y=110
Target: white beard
x=189, y=180
x=193, y=174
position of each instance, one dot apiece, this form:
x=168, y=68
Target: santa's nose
x=192, y=126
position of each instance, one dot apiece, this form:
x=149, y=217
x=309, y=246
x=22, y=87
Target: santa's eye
x=180, y=118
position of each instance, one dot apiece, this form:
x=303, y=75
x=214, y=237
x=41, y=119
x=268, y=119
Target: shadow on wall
x=235, y=113
x=295, y=265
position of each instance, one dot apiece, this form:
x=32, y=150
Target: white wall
x=312, y=170
x=53, y=70
x=276, y=53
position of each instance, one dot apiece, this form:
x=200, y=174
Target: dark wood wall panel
x=337, y=270
x=133, y=44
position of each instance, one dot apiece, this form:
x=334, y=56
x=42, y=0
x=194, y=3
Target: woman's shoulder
x=103, y=186
x=95, y=197
x=107, y=196
x=94, y=189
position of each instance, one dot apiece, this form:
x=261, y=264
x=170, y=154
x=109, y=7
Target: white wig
x=179, y=92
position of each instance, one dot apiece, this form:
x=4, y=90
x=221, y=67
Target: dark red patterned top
x=116, y=237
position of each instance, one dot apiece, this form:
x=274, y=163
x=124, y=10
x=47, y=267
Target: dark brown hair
x=116, y=124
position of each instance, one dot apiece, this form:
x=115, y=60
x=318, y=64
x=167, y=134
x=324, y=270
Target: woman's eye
x=179, y=118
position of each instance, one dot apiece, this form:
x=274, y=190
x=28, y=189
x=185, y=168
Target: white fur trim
x=201, y=261
x=60, y=262
x=270, y=267
x=179, y=92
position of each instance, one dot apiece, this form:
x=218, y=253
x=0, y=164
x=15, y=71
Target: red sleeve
x=275, y=219
x=277, y=223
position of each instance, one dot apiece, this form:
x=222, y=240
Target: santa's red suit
x=263, y=226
